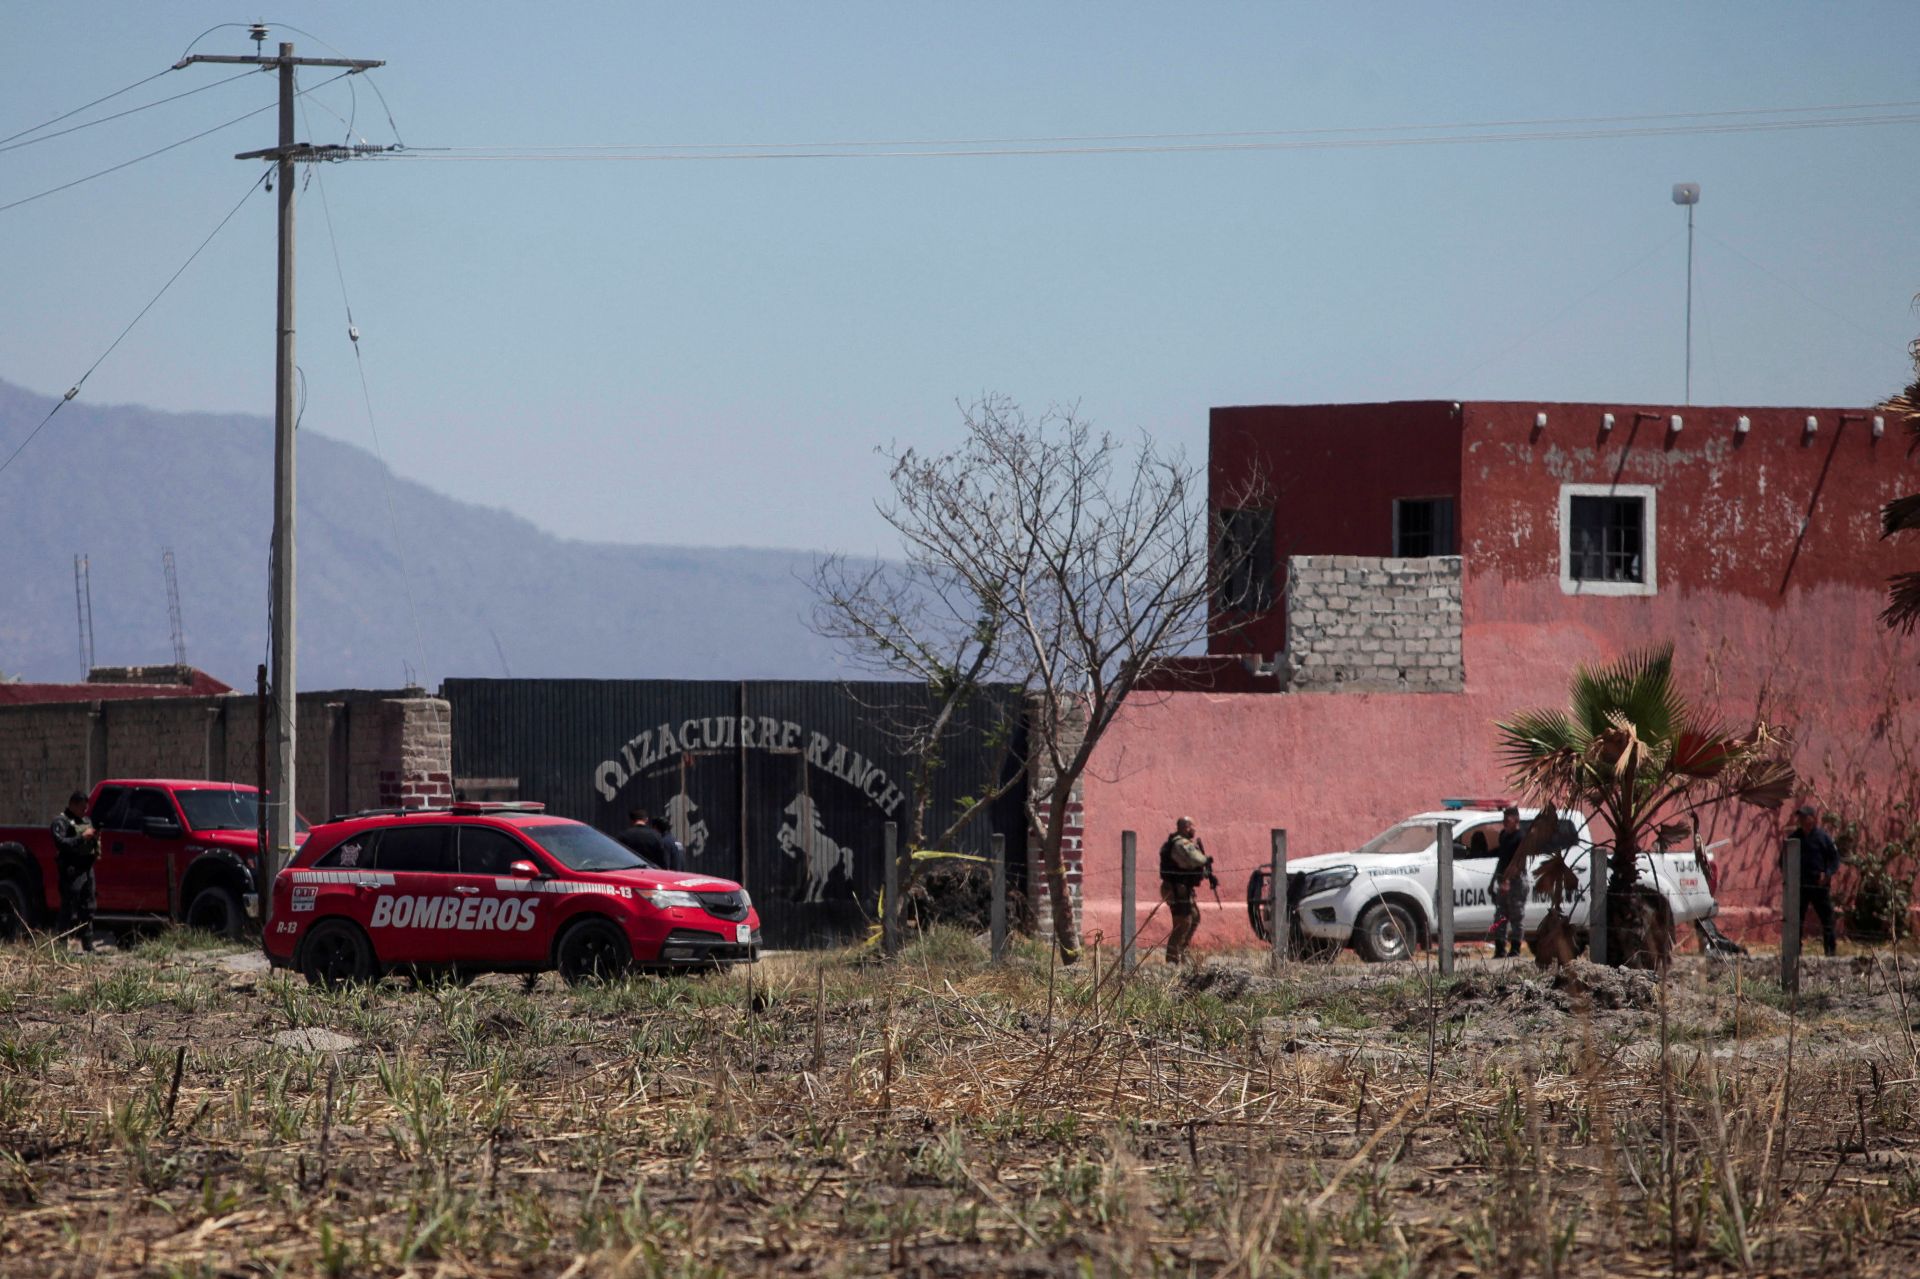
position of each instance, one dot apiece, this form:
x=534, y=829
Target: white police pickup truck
x=1379, y=898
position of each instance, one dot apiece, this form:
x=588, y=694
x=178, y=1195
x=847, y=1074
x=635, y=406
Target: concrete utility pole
x=284, y=686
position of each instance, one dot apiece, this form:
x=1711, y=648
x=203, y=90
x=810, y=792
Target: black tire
x=593, y=949
x=1386, y=933
x=16, y=914
x=335, y=954
x=216, y=909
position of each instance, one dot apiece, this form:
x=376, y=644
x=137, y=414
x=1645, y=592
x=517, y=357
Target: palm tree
x=1903, y=514
x=1631, y=749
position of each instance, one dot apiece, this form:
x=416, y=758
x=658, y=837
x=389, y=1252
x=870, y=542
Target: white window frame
x=1649, y=540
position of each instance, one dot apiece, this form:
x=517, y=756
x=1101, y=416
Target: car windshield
x=584, y=848
x=1407, y=837
x=224, y=810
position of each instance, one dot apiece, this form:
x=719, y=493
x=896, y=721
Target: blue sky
x=708, y=353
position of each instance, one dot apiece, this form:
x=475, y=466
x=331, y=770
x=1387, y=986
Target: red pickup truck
x=169, y=850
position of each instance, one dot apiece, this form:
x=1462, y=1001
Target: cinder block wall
x=1358, y=623
x=357, y=749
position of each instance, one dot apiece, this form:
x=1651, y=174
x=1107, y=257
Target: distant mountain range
x=495, y=594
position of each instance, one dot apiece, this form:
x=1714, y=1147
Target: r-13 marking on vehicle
x=464, y=914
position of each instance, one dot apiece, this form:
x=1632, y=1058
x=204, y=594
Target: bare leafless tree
x=915, y=618
x=1040, y=554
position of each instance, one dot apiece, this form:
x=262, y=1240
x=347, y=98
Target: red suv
x=494, y=888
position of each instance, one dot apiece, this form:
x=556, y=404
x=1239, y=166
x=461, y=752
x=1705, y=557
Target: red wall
x=1333, y=471
x=1767, y=617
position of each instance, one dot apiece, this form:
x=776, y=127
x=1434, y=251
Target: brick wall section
x=43, y=758
x=357, y=749
x=1072, y=852
x=417, y=753
x=1358, y=623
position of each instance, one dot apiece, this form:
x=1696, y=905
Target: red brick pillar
x=1072, y=853
x=416, y=753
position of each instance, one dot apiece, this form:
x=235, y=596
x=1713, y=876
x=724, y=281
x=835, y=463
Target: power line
x=118, y=115
x=372, y=83
x=65, y=186
x=89, y=106
x=1042, y=140
x=373, y=428
x=1160, y=149
x=75, y=388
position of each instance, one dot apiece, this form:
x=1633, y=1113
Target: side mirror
x=163, y=828
x=525, y=870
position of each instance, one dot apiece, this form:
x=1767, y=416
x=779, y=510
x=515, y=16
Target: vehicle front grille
x=723, y=905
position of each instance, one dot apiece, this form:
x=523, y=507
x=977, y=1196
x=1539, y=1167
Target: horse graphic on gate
x=689, y=830
x=803, y=839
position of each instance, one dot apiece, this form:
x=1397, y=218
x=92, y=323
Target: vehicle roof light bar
x=459, y=808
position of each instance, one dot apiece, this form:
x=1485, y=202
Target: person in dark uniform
x=672, y=852
x=1509, y=888
x=640, y=837
x=1819, y=863
x=76, y=847
x=1183, y=864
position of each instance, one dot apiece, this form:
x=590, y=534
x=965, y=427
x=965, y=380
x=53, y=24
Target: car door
x=499, y=928
x=410, y=920
x=131, y=876
x=1473, y=860
x=342, y=882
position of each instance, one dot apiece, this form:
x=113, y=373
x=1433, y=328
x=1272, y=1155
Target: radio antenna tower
x=173, y=609
x=83, y=609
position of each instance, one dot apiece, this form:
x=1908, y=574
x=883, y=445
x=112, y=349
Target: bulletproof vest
x=1170, y=869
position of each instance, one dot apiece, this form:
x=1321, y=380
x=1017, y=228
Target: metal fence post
x=1443, y=892
x=1790, y=920
x=1596, y=905
x=1128, y=922
x=890, y=908
x=999, y=908
x=1282, y=912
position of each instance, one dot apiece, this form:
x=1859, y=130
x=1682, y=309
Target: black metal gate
x=784, y=786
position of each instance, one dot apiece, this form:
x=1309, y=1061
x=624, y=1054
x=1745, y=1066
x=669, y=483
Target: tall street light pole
x=1688, y=193
x=284, y=687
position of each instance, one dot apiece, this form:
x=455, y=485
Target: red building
x=1342, y=694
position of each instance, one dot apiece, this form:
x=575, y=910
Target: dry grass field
x=942, y=1117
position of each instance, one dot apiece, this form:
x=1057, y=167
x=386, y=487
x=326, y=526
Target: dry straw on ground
x=958, y=1119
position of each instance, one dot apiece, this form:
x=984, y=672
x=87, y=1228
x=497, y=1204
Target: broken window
x=1245, y=563
x=1423, y=526
x=1605, y=539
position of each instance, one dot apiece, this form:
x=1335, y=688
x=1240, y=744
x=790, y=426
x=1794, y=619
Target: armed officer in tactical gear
x=1183, y=864
x=76, y=847
x=1509, y=887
